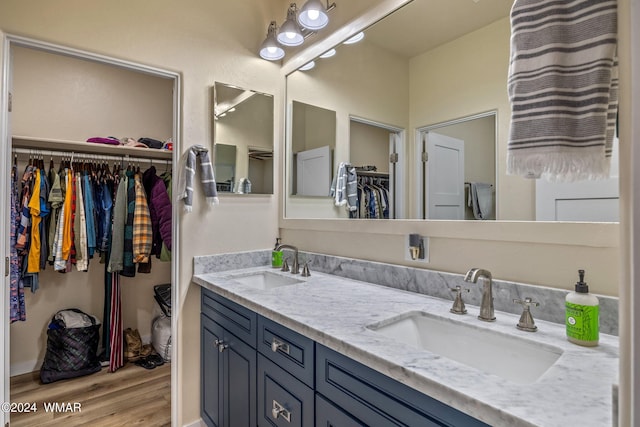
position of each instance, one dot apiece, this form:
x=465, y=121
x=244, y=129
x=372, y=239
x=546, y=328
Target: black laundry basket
x=162, y=295
x=71, y=352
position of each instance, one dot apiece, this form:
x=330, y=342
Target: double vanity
x=330, y=350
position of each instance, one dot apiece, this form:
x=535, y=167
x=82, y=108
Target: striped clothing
x=186, y=178
x=142, y=233
x=563, y=88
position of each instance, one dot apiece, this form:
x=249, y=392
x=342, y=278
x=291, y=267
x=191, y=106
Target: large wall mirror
x=243, y=140
x=434, y=74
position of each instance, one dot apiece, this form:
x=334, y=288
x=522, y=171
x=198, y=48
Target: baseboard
x=25, y=367
x=196, y=423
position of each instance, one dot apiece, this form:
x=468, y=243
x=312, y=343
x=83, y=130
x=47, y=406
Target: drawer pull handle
x=221, y=345
x=279, y=411
x=276, y=345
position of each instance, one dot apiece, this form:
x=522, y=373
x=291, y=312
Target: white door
x=592, y=201
x=313, y=176
x=444, y=177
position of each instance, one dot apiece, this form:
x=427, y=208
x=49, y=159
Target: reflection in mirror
x=313, y=139
x=428, y=62
x=225, y=166
x=459, y=168
x=243, y=140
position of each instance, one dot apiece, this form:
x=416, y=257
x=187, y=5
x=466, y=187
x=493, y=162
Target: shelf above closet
x=35, y=143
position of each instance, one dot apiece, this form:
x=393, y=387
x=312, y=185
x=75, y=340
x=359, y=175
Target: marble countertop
x=335, y=311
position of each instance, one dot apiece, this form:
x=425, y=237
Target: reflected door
x=314, y=172
x=445, y=177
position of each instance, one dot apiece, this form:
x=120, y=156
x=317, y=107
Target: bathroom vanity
x=328, y=350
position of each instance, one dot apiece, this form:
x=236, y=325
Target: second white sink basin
x=265, y=280
x=515, y=359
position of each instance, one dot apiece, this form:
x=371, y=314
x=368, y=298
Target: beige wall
x=369, y=146
x=198, y=39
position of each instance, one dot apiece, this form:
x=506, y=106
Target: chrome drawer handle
x=279, y=411
x=221, y=345
x=276, y=345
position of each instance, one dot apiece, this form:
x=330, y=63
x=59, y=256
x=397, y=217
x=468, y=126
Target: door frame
x=420, y=209
x=397, y=180
x=9, y=41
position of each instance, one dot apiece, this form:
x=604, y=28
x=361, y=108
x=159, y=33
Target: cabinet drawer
x=371, y=396
x=238, y=320
x=283, y=401
x=288, y=349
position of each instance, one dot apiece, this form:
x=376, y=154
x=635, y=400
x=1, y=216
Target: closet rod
x=97, y=156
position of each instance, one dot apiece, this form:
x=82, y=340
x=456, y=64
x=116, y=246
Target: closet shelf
x=35, y=143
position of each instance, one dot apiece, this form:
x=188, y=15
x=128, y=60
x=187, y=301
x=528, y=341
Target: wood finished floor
x=131, y=396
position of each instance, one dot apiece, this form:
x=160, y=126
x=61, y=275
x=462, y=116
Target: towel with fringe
x=187, y=174
x=480, y=199
x=563, y=89
x=344, y=187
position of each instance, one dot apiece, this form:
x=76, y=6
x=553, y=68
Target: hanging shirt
x=129, y=269
x=16, y=293
x=33, y=260
x=90, y=214
x=142, y=232
x=82, y=262
x=67, y=224
x=56, y=200
x=119, y=221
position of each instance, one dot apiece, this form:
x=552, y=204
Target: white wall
x=205, y=41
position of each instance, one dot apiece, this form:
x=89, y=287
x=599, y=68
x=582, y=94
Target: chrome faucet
x=486, y=306
x=295, y=267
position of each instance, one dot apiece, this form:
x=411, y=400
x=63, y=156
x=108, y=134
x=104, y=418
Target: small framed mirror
x=243, y=140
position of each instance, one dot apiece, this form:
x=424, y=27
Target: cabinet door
x=211, y=372
x=329, y=415
x=239, y=382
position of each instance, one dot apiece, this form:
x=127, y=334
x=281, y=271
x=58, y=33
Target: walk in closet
x=59, y=98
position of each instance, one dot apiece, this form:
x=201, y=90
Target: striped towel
x=187, y=176
x=344, y=188
x=563, y=88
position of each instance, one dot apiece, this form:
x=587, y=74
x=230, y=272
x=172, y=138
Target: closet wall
x=62, y=98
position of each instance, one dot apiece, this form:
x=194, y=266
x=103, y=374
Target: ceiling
x=424, y=24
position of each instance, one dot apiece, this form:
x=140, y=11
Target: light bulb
x=313, y=14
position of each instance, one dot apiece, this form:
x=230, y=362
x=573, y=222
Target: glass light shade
x=313, y=15
x=307, y=66
x=289, y=33
x=328, y=54
x=270, y=50
x=355, y=39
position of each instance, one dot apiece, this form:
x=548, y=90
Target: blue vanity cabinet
x=228, y=363
x=329, y=415
x=374, y=399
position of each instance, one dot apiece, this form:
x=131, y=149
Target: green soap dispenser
x=276, y=255
x=582, y=312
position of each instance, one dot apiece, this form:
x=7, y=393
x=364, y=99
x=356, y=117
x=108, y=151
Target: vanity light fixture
x=355, y=39
x=328, y=54
x=270, y=49
x=290, y=33
x=307, y=66
x=313, y=15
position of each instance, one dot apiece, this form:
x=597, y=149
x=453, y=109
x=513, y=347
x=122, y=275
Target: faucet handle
x=458, y=304
x=285, y=265
x=526, y=322
x=305, y=270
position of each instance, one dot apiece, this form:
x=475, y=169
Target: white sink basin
x=265, y=280
x=515, y=359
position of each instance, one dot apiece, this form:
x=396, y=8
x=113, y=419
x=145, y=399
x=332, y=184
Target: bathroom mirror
x=426, y=65
x=243, y=140
x=313, y=140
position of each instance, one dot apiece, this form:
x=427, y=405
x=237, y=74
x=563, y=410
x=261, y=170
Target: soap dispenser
x=276, y=255
x=582, y=312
